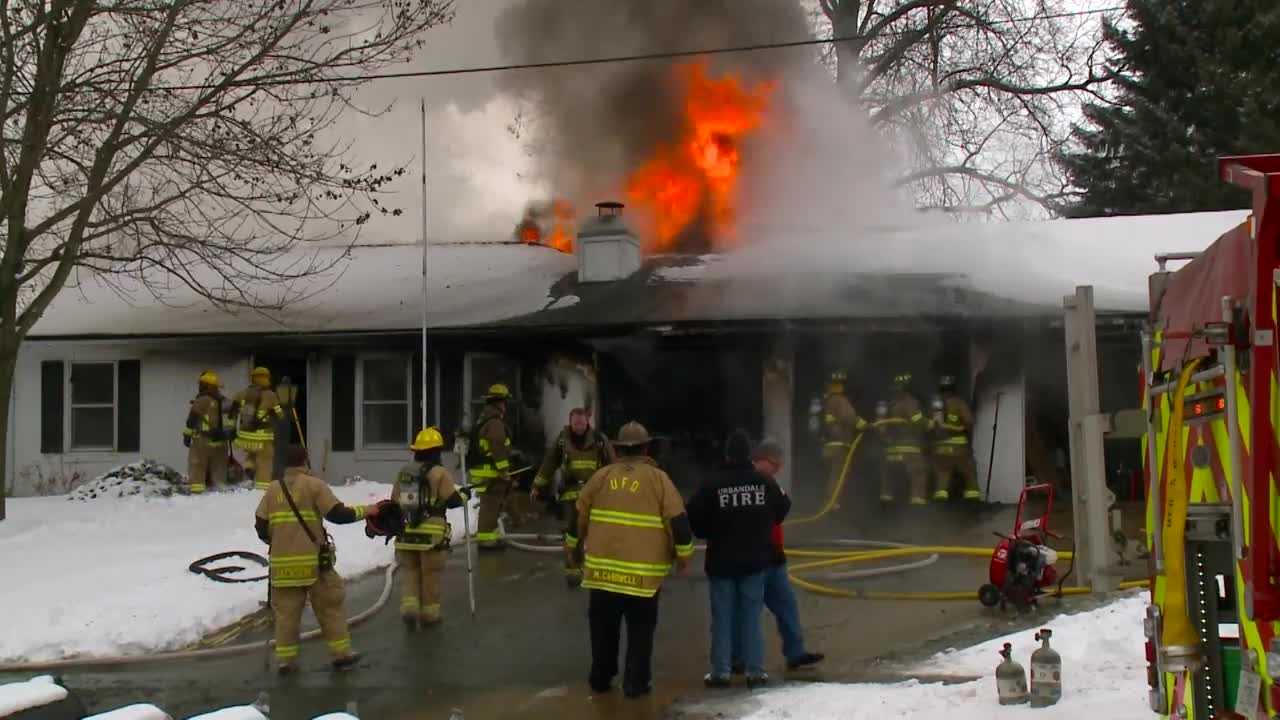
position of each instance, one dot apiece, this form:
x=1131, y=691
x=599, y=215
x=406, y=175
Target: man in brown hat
x=632, y=525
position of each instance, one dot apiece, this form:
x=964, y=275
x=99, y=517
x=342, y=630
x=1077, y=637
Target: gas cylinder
x=1011, y=679
x=1046, y=672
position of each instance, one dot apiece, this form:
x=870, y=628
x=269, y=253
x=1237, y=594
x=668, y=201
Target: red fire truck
x=1209, y=388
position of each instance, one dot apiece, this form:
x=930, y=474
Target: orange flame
x=562, y=230
x=694, y=180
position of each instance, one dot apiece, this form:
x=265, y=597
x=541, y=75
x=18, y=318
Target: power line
x=668, y=55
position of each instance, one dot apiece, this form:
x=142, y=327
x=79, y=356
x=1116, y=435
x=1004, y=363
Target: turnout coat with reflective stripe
x=839, y=420
x=294, y=559
x=578, y=463
x=624, y=512
x=904, y=429
x=952, y=432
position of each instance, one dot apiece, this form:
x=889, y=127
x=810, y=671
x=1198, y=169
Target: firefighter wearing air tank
x=257, y=408
x=840, y=423
x=902, y=426
x=290, y=519
x=952, y=425
x=490, y=464
x=205, y=437
x=578, y=452
x=424, y=490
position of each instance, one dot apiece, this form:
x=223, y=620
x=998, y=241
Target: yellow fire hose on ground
x=828, y=558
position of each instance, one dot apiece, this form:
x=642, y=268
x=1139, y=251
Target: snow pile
x=1103, y=676
x=242, y=712
x=131, y=555
x=148, y=478
x=34, y=693
x=142, y=711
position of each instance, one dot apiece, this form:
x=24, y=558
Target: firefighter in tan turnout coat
x=424, y=490
x=257, y=407
x=840, y=424
x=632, y=523
x=952, y=424
x=578, y=453
x=205, y=437
x=290, y=518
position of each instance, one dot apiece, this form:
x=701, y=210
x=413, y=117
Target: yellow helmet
x=836, y=382
x=428, y=439
x=260, y=372
x=209, y=377
x=497, y=391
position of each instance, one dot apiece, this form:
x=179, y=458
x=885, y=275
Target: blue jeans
x=781, y=601
x=736, y=603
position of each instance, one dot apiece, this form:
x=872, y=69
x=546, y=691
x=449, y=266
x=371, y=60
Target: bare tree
x=184, y=139
x=977, y=94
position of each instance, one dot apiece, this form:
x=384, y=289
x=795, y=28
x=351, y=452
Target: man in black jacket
x=736, y=514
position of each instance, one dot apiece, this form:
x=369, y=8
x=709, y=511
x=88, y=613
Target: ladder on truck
x=1208, y=573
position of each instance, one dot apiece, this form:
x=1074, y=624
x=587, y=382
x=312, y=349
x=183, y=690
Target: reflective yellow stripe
x=486, y=536
x=684, y=550
x=902, y=449
x=570, y=495
x=340, y=645
x=286, y=652
x=917, y=417
x=484, y=473
x=502, y=464
x=616, y=517
x=621, y=589
x=583, y=465
x=278, y=518
x=570, y=541
x=197, y=487
x=635, y=568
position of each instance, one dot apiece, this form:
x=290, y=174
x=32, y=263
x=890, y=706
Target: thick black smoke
x=598, y=123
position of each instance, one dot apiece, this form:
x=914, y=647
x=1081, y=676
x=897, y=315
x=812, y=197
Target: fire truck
x=1209, y=389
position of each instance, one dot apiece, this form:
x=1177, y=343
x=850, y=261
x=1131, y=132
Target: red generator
x=1022, y=563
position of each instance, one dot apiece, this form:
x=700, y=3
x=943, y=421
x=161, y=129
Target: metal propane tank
x=1011, y=679
x=1046, y=672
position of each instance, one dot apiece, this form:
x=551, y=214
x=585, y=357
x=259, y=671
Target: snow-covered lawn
x=1103, y=676
x=109, y=576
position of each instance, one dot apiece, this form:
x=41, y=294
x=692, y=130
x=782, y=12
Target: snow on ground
x=148, y=478
x=243, y=712
x=1103, y=676
x=130, y=556
x=142, y=711
x=36, y=692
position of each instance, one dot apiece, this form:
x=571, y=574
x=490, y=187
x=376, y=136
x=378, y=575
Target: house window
x=385, y=401
x=93, y=406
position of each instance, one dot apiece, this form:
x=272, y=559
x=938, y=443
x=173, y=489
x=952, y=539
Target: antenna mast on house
x=423, y=116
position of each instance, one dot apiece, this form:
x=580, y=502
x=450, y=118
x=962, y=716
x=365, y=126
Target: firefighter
x=578, y=452
x=902, y=428
x=290, y=519
x=952, y=425
x=490, y=467
x=424, y=490
x=205, y=437
x=257, y=408
x=632, y=525
x=840, y=423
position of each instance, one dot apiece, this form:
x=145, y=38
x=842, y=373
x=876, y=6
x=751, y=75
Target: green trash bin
x=1231, y=674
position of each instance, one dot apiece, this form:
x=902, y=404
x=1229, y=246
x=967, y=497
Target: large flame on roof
x=689, y=184
x=551, y=225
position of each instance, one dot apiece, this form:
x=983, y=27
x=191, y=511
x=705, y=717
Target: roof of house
x=927, y=268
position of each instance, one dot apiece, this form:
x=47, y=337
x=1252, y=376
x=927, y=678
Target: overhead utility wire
x=599, y=61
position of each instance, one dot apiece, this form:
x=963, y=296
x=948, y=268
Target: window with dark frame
x=385, y=401
x=93, y=406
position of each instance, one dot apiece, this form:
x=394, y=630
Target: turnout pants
x=606, y=611
x=206, y=465
x=905, y=467
x=420, y=574
x=263, y=460
x=947, y=462
x=495, y=493
x=572, y=558
x=327, y=596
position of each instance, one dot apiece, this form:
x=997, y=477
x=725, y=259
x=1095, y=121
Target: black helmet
x=388, y=521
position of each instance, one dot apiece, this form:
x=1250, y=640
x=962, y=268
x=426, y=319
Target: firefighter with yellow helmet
x=903, y=427
x=952, y=425
x=424, y=491
x=205, y=436
x=490, y=464
x=840, y=424
x=256, y=409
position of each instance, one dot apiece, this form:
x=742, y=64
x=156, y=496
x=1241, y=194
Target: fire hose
x=823, y=559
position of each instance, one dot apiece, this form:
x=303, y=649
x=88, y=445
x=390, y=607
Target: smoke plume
x=598, y=123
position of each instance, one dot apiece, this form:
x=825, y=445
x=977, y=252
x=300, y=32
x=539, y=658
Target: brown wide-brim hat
x=633, y=434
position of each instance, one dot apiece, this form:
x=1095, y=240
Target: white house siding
x=169, y=370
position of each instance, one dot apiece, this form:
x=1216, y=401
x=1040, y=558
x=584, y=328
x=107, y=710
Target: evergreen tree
x=1197, y=79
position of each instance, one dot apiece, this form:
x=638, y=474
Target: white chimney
x=607, y=250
